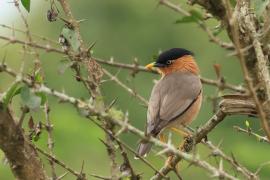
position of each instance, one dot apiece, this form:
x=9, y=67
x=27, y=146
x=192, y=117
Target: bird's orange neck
x=184, y=64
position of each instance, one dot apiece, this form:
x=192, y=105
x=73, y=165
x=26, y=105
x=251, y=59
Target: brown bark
x=23, y=158
x=256, y=61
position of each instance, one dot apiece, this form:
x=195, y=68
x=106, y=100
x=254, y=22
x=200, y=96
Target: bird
x=175, y=99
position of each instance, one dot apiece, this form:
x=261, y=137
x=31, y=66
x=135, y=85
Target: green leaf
x=26, y=4
x=194, y=17
x=247, y=123
x=38, y=77
x=36, y=138
x=217, y=31
x=31, y=100
x=13, y=91
x=233, y=3
x=260, y=6
x=72, y=37
x=64, y=66
x=43, y=97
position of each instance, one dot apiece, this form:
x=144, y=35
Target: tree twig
x=49, y=128
x=259, y=137
x=80, y=176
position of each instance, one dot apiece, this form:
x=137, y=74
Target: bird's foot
x=169, y=163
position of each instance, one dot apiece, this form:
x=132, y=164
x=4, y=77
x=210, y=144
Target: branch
x=215, y=7
x=248, y=80
x=80, y=176
x=129, y=90
x=201, y=24
x=132, y=67
x=249, y=132
x=236, y=165
x=90, y=111
x=50, y=142
x=23, y=159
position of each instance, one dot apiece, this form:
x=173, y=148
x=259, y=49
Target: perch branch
x=23, y=159
x=92, y=111
x=132, y=67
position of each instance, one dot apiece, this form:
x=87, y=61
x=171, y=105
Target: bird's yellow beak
x=150, y=66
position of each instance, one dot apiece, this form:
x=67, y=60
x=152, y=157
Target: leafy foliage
x=30, y=99
x=26, y=4
x=13, y=91
x=260, y=6
x=72, y=37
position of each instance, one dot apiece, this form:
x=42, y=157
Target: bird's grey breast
x=170, y=97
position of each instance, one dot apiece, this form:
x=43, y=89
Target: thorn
x=104, y=143
x=62, y=176
x=220, y=142
x=111, y=59
x=221, y=165
x=217, y=68
x=81, y=20
x=111, y=104
x=66, y=22
x=13, y=30
x=4, y=58
x=82, y=167
x=233, y=157
x=91, y=47
x=163, y=151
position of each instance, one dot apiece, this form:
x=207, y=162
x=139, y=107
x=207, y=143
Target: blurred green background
x=125, y=29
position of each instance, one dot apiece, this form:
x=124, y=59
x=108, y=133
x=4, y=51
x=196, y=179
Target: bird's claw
x=169, y=164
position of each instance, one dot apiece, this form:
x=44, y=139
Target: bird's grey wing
x=170, y=98
x=153, y=108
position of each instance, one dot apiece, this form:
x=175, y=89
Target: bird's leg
x=162, y=138
x=181, y=132
x=168, y=162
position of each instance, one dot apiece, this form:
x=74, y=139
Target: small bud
x=52, y=15
x=247, y=123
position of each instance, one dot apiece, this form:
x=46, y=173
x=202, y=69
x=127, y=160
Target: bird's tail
x=144, y=148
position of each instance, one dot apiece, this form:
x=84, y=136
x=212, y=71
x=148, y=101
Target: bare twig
x=92, y=111
x=129, y=90
x=259, y=137
x=216, y=151
x=211, y=36
x=28, y=35
x=132, y=67
x=61, y=163
x=248, y=80
x=49, y=128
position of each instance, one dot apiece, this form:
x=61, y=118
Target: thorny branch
x=252, y=91
x=91, y=111
x=201, y=24
x=250, y=132
x=94, y=76
x=219, y=9
x=133, y=67
x=80, y=176
x=49, y=128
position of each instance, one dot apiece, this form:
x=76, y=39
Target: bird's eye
x=169, y=62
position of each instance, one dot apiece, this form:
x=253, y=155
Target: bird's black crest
x=172, y=54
